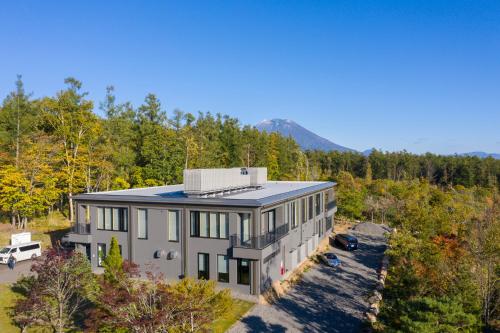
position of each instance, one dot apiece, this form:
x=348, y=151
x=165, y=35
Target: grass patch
x=7, y=299
x=237, y=311
x=47, y=229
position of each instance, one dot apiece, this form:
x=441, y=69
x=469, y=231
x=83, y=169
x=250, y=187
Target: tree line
x=441, y=170
x=54, y=147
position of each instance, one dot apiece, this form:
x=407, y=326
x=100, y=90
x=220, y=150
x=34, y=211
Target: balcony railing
x=261, y=241
x=81, y=228
x=331, y=205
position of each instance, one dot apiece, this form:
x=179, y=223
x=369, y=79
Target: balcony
x=331, y=205
x=80, y=233
x=81, y=228
x=259, y=242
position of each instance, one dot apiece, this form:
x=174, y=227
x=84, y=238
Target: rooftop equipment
x=217, y=182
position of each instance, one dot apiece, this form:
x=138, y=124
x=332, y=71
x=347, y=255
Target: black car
x=348, y=242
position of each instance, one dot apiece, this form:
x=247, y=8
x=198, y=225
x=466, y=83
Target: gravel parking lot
x=327, y=299
x=11, y=276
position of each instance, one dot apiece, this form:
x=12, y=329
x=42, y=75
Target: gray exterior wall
x=266, y=264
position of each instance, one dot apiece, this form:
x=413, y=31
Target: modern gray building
x=229, y=225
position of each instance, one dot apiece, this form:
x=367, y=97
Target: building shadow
x=256, y=324
x=56, y=235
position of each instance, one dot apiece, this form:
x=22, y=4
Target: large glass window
x=142, y=223
x=303, y=210
x=222, y=268
x=214, y=231
x=209, y=224
x=311, y=207
x=112, y=218
x=107, y=218
x=293, y=215
x=318, y=204
x=204, y=226
x=173, y=225
x=223, y=225
x=203, y=266
x=244, y=271
x=116, y=219
x=245, y=228
x=100, y=218
x=101, y=253
x=271, y=220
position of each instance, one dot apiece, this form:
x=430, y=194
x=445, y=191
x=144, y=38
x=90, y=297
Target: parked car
x=20, y=252
x=331, y=259
x=348, y=242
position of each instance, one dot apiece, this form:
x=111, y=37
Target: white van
x=20, y=252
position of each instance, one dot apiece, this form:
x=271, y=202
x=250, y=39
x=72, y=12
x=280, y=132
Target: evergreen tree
x=113, y=263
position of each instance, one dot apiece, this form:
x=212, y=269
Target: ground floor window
x=244, y=271
x=203, y=266
x=101, y=253
x=222, y=268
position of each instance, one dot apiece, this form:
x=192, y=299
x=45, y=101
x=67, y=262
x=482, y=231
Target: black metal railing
x=329, y=221
x=81, y=228
x=331, y=205
x=261, y=241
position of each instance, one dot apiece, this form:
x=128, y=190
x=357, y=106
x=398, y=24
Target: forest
x=53, y=147
x=445, y=256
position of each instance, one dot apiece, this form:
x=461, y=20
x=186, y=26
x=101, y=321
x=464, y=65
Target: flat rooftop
x=269, y=193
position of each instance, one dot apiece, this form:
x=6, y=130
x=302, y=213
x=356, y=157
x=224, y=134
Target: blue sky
x=415, y=75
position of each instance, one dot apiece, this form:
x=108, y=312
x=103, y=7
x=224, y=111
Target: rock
x=371, y=317
x=374, y=308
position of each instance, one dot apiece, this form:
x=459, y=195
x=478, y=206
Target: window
x=223, y=226
x=271, y=220
x=222, y=268
x=303, y=210
x=204, y=226
x=195, y=224
x=203, y=266
x=293, y=215
x=244, y=271
x=173, y=225
x=245, y=228
x=287, y=213
x=318, y=204
x=214, y=231
x=109, y=218
x=29, y=247
x=209, y=225
x=116, y=219
x=100, y=218
x=311, y=207
x=87, y=214
x=142, y=223
x=101, y=253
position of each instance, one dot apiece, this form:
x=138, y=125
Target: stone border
x=376, y=297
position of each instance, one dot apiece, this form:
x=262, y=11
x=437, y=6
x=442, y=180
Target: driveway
x=11, y=276
x=327, y=299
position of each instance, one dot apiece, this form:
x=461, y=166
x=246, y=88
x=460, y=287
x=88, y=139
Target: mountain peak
x=306, y=139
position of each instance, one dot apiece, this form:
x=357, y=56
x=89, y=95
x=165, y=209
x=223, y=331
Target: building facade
x=243, y=237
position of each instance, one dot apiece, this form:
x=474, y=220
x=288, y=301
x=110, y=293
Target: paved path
x=10, y=276
x=327, y=299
